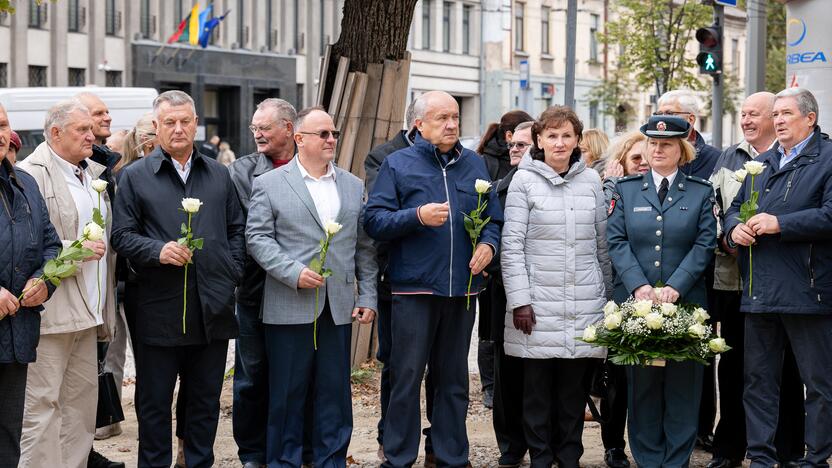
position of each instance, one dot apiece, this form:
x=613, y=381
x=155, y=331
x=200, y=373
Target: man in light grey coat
x=290, y=209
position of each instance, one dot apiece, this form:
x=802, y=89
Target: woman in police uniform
x=663, y=229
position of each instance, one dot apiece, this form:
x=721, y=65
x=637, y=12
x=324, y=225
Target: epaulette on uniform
x=699, y=179
x=630, y=177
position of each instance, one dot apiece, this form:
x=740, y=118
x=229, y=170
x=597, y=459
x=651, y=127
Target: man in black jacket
x=375, y=158
x=273, y=127
x=173, y=339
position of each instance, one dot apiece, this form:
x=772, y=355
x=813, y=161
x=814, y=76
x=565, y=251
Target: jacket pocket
x=466, y=196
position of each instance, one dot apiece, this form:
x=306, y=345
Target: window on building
x=37, y=14
x=112, y=18
x=37, y=75
x=241, y=24
x=178, y=13
x=735, y=55
x=74, y=20
x=426, y=21
x=544, y=30
x=4, y=75
x=113, y=79
x=145, y=19
x=270, y=43
x=77, y=77
x=593, y=37
x=446, y=26
x=466, y=29
x=519, y=20
x=593, y=114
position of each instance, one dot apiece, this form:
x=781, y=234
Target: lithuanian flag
x=188, y=30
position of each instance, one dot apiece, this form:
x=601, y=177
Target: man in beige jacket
x=62, y=386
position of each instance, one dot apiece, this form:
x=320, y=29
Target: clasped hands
x=763, y=223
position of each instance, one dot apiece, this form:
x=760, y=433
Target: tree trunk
x=371, y=31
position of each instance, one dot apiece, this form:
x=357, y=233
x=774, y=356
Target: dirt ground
x=363, y=447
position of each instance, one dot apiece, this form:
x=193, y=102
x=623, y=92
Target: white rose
x=654, y=321
x=93, y=232
x=718, y=345
x=740, y=174
x=612, y=321
x=331, y=227
x=610, y=308
x=589, y=334
x=698, y=330
x=754, y=167
x=700, y=315
x=669, y=309
x=642, y=308
x=99, y=185
x=191, y=205
x=482, y=186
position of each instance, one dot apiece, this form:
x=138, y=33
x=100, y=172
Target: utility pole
x=710, y=63
x=755, y=59
x=716, y=136
x=571, y=34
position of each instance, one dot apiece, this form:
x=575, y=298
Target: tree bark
x=371, y=31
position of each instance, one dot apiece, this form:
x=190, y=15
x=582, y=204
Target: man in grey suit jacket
x=288, y=211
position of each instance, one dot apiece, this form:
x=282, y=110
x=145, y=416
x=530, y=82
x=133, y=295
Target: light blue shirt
x=787, y=158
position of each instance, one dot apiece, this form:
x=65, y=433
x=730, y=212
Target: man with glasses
x=272, y=126
x=307, y=313
x=684, y=104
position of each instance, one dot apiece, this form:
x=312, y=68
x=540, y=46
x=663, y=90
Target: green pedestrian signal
x=710, y=50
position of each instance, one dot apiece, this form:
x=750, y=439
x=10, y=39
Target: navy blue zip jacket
x=27, y=241
x=792, y=269
x=430, y=260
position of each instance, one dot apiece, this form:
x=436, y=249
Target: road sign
x=731, y=3
x=524, y=74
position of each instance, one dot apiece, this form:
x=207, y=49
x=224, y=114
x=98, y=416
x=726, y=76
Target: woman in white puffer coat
x=557, y=277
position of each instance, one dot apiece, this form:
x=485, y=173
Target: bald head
x=100, y=116
x=437, y=118
x=756, y=122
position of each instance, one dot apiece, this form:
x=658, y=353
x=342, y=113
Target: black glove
x=524, y=319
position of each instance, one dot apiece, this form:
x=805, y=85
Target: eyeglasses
x=324, y=134
x=519, y=145
x=671, y=113
x=261, y=128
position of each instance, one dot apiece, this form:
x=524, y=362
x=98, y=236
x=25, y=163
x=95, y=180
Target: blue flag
x=208, y=28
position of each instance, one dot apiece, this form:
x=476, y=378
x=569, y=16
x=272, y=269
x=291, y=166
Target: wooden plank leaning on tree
x=385, y=101
x=338, y=90
x=364, y=140
x=399, y=97
x=349, y=128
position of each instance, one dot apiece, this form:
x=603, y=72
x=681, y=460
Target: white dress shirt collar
x=330, y=172
x=657, y=179
x=184, y=171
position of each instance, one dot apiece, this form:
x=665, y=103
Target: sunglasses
x=324, y=134
x=520, y=146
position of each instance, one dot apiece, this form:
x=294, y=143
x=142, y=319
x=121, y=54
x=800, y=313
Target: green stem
x=470, y=277
x=185, y=287
x=20, y=297
x=98, y=266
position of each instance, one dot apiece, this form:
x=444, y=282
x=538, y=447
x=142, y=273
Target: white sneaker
x=108, y=431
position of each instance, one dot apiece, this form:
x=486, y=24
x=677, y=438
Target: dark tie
x=79, y=173
x=663, y=190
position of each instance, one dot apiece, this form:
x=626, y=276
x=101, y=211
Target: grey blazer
x=283, y=234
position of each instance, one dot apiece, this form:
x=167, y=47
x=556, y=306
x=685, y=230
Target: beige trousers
x=61, y=402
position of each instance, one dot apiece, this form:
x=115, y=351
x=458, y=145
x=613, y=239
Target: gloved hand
x=524, y=319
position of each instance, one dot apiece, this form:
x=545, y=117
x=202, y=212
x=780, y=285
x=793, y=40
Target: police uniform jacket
x=671, y=242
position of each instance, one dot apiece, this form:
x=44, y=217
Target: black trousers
x=428, y=328
x=766, y=336
x=729, y=436
x=12, y=397
x=554, y=397
x=508, y=406
x=201, y=369
x=612, y=431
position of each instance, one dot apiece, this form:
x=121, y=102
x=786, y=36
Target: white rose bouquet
x=474, y=224
x=191, y=207
x=749, y=207
x=647, y=333
x=317, y=265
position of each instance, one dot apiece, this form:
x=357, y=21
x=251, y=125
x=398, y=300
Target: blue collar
x=794, y=152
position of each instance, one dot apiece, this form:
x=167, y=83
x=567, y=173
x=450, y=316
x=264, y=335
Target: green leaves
x=749, y=207
x=64, y=265
x=97, y=218
x=315, y=265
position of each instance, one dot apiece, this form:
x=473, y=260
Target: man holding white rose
x=785, y=258
x=61, y=390
x=184, y=298
x=299, y=214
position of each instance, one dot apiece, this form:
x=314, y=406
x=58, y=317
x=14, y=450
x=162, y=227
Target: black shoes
x=488, y=398
x=723, y=462
x=705, y=442
x=96, y=460
x=616, y=458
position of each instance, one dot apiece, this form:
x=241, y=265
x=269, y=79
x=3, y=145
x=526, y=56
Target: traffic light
x=710, y=50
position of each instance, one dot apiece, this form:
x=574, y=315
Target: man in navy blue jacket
x=416, y=205
x=28, y=241
x=788, y=291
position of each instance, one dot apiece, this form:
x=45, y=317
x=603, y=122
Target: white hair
x=172, y=98
x=281, y=108
x=60, y=115
x=684, y=98
x=806, y=101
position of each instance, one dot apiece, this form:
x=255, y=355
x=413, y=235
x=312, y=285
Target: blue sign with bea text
x=732, y=3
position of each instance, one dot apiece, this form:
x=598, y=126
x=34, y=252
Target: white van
x=27, y=108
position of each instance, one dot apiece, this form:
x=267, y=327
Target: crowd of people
x=282, y=250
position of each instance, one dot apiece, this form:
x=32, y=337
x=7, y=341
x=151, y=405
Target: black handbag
x=601, y=386
x=109, y=404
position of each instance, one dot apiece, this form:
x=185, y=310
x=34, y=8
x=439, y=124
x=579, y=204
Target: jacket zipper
x=6, y=204
x=811, y=269
x=789, y=185
x=451, y=226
